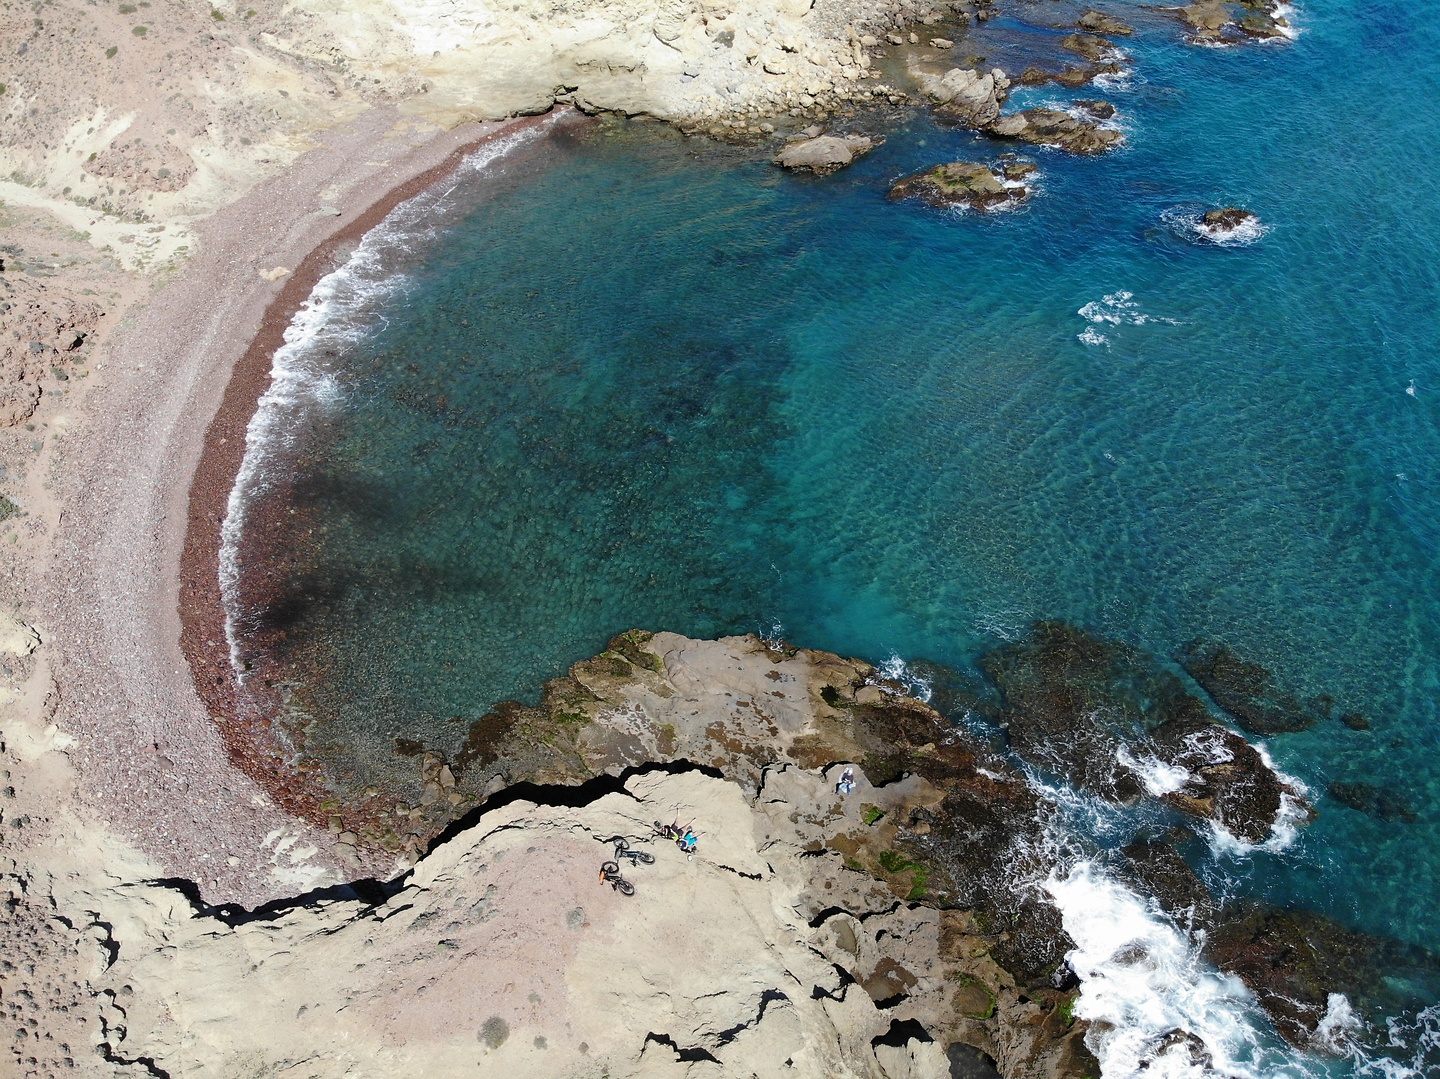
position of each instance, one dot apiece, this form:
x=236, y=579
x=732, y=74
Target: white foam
x=1418, y=1040
x=1337, y=1027
x=305, y=371
x=895, y=669
x=1091, y=336
x=1009, y=625
x=1120, y=309
x=1119, y=81
x=1141, y=980
x=1286, y=12
x=1410, y=389
x=1157, y=777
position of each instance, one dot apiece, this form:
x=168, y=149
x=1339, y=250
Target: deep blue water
x=648, y=382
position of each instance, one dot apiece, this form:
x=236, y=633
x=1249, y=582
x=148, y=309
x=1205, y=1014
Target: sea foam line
x=339, y=312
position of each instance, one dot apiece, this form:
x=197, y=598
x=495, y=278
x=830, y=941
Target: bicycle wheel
x=609, y=867
x=626, y=888
x=644, y=857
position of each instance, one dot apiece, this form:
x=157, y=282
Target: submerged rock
x=1106, y=718
x=1355, y=721
x=1375, y=800
x=962, y=183
x=1243, y=689
x=823, y=154
x=1051, y=127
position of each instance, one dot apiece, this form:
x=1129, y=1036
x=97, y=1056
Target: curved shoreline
x=246, y=732
x=124, y=593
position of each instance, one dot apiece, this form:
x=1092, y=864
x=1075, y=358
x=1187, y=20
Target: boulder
x=824, y=154
x=1101, y=110
x=966, y=96
x=959, y=183
x=1097, y=22
x=1226, y=221
x=1090, y=46
x=1051, y=127
x=1207, y=15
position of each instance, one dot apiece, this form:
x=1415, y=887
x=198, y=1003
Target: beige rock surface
x=503, y=951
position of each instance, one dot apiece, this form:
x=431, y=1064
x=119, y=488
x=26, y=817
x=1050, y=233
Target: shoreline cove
x=426, y=351
x=206, y=637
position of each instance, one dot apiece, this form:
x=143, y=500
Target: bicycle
x=637, y=857
x=610, y=874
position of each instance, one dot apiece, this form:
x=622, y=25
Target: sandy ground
x=149, y=761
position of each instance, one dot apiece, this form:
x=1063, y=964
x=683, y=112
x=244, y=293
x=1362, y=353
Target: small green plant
x=140, y=31
x=871, y=814
x=1066, y=1008
x=2, y=87
x=217, y=14
x=109, y=55
x=892, y=861
x=8, y=509
x=919, y=882
x=128, y=9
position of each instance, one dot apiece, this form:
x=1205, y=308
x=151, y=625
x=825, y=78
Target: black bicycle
x=624, y=850
x=610, y=874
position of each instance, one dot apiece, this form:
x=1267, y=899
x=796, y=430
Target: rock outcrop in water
x=1051, y=127
x=1097, y=22
x=971, y=98
x=1292, y=960
x=1108, y=719
x=965, y=96
x=965, y=183
x=824, y=154
x=1215, y=22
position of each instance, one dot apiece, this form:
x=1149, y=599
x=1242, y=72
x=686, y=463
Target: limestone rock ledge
x=503, y=951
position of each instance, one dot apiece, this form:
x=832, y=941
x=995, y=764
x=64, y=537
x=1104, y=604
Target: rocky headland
x=894, y=929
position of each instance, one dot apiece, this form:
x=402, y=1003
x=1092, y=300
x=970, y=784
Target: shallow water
x=637, y=381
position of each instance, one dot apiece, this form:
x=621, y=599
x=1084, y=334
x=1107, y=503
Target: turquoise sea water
x=641, y=381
